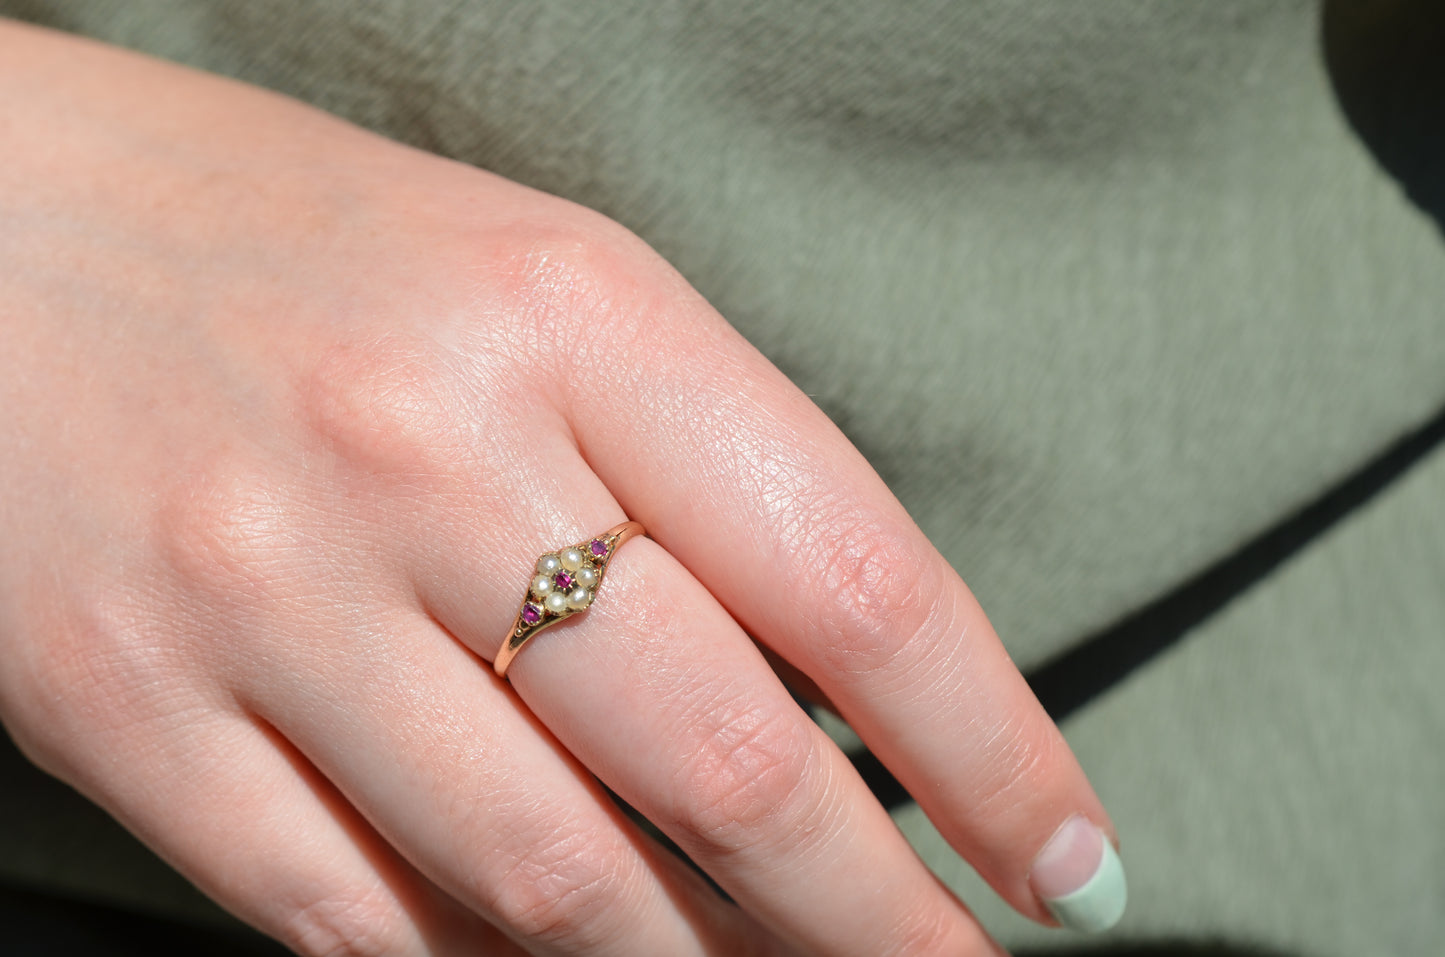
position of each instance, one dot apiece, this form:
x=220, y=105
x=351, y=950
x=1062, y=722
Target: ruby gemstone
x=531, y=614
x=598, y=547
x=564, y=581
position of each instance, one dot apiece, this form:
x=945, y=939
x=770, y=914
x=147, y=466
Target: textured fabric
x=1102, y=290
x=1276, y=777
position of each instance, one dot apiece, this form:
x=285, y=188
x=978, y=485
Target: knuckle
x=363, y=924
x=879, y=593
x=384, y=406
x=228, y=529
x=573, y=261
x=577, y=288
x=747, y=782
x=563, y=891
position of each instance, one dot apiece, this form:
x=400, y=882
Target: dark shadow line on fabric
x=1162, y=948
x=1078, y=676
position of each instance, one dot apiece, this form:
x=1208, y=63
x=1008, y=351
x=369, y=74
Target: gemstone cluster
x=566, y=581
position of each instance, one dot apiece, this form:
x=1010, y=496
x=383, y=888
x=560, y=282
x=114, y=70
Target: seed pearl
x=578, y=599
x=587, y=576
x=549, y=565
x=556, y=603
x=572, y=558
x=541, y=586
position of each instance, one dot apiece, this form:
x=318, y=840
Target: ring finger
x=665, y=698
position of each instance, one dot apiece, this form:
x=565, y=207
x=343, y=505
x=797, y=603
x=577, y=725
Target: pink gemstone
x=564, y=580
x=598, y=547
x=531, y=614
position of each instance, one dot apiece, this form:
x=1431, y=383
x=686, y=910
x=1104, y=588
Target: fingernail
x=1080, y=878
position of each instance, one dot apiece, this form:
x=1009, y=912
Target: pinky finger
x=276, y=845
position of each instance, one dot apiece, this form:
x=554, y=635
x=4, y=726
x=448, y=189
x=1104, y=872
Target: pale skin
x=291, y=410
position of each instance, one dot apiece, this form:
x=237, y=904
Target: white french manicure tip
x=1097, y=905
x=1080, y=879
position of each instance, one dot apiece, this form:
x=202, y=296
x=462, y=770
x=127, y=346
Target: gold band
x=564, y=583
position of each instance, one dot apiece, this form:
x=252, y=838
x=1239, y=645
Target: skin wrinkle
x=172, y=750
x=796, y=511
x=332, y=927
x=403, y=678
x=736, y=789
x=858, y=582
x=691, y=381
x=921, y=930
x=560, y=888
x=118, y=666
x=780, y=476
x=943, y=678
x=714, y=717
x=1014, y=768
x=150, y=722
x=827, y=819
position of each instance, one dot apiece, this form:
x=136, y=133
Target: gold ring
x=564, y=583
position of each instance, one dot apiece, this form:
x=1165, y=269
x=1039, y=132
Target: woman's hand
x=289, y=413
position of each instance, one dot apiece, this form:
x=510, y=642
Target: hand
x=291, y=411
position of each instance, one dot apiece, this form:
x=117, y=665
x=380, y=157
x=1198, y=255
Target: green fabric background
x=1103, y=290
